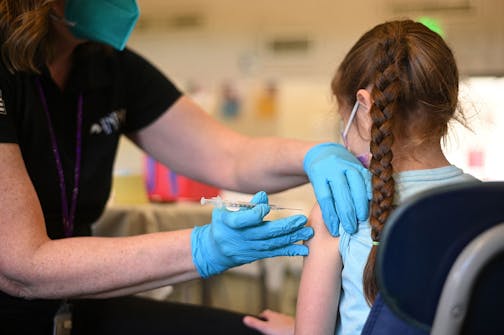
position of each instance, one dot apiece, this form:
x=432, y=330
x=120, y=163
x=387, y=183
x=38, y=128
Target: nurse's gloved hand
x=238, y=237
x=342, y=186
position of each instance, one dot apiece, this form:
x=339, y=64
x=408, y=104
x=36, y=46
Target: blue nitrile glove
x=238, y=237
x=342, y=186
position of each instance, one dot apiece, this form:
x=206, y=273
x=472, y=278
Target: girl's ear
x=363, y=113
x=364, y=98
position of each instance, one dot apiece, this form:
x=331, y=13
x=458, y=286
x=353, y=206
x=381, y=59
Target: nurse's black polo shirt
x=122, y=93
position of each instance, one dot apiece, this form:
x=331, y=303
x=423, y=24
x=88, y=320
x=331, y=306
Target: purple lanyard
x=68, y=213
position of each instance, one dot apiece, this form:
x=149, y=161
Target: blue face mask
x=107, y=21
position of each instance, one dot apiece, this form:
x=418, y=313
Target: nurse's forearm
x=271, y=164
x=192, y=143
x=88, y=266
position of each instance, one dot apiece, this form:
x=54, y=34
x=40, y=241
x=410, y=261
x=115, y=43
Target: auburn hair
x=24, y=32
x=414, y=91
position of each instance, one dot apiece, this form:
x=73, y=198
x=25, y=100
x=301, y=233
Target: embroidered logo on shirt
x=110, y=123
x=3, y=111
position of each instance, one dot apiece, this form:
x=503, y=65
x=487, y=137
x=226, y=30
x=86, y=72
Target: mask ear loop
x=350, y=119
x=62, y=20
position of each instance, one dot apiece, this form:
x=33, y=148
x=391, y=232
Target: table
x=125, y=220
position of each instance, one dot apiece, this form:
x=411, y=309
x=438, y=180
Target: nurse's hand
x=238, y=237
x=342, y=186
x=271, y=323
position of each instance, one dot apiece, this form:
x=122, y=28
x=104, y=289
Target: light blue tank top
x=354, y=249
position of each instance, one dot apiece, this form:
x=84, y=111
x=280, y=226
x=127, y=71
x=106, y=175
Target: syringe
x=235, y=205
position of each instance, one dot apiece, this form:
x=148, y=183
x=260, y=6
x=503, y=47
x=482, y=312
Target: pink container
x=164, y=185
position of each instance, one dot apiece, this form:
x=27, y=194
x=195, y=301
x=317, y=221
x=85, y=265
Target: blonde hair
x=24, y=31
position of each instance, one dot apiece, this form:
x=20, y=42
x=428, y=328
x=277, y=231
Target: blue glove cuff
x=200, y=259
x=312, y=154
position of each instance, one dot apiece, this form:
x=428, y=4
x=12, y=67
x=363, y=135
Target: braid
x=386, y=94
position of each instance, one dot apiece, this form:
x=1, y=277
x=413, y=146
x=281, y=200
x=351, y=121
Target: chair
x=440, y=264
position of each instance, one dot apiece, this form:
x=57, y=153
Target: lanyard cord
x=68, y=213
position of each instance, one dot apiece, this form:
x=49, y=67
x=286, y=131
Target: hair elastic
x=377, y=243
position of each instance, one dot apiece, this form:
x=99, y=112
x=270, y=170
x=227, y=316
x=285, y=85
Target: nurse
x=68, y=90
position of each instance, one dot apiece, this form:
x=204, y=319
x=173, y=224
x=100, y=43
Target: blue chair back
x=421, y=241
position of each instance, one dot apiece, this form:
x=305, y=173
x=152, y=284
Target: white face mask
x=364, y=158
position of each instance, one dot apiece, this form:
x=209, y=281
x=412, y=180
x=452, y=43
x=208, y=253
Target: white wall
x=231, y=45
x=481, y=100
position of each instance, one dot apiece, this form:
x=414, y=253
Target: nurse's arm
x=320, y=285
x=191, y=142
x=34, y=266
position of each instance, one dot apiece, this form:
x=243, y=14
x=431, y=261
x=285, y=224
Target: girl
x=397, y=90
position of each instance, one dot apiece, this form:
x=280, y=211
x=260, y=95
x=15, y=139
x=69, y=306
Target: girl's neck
x=428, y=156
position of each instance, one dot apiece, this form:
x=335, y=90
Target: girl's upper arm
x=319, y=289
